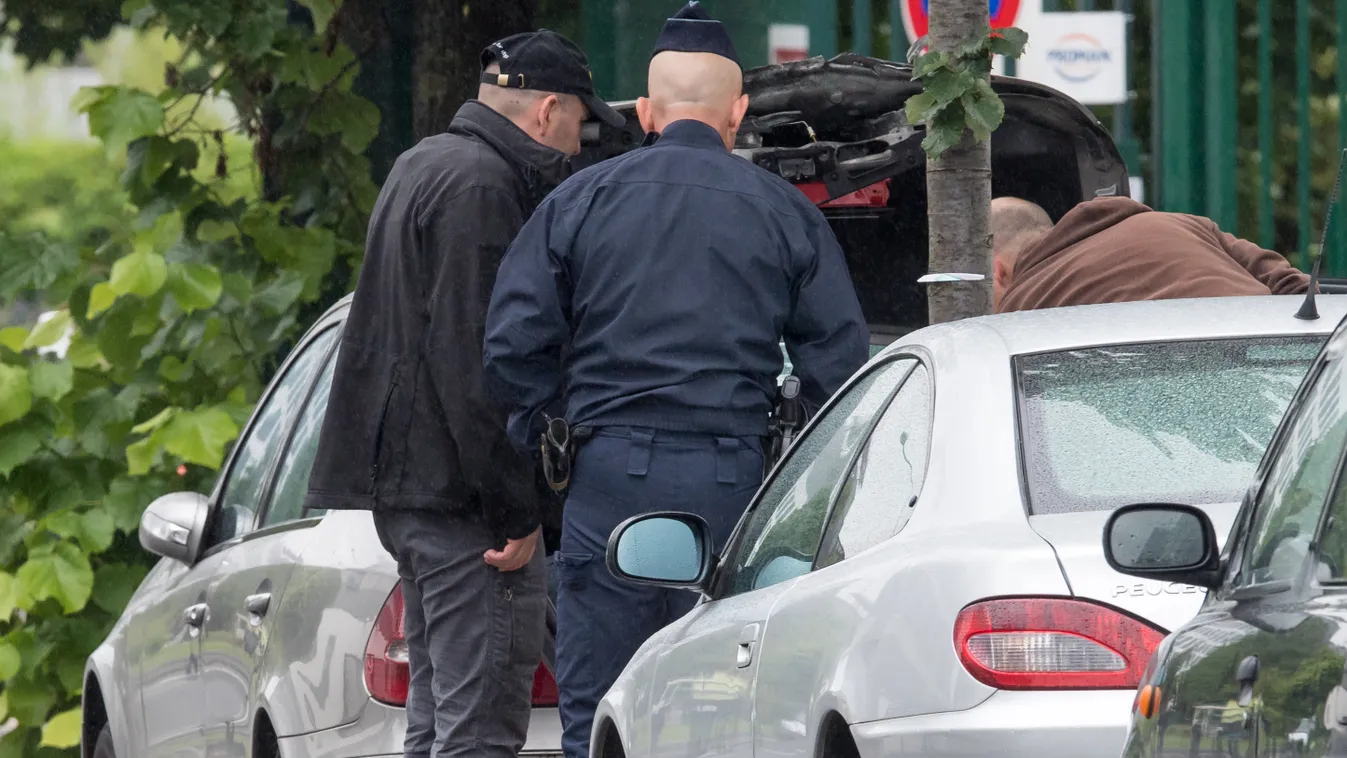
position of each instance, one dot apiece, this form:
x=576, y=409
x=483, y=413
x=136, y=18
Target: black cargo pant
x=474, y=635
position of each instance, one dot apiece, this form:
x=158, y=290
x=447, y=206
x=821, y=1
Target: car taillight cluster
x=1053, y=644
x=388, y=675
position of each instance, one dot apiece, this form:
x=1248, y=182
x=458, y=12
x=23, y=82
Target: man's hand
x=516, y=554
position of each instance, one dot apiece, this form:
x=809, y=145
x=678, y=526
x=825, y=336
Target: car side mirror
x=1165, y=542
x=663, y=549
x=173, y=525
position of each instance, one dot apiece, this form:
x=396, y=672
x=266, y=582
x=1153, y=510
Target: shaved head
x=1015, y=225
x=700, y=86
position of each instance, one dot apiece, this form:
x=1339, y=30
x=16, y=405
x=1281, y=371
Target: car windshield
x=1179, y=422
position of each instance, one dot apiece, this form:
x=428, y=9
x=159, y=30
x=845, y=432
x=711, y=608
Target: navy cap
x=547, y=62
x=691, y=30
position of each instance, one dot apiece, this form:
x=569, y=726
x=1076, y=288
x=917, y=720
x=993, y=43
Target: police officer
x=669, y=275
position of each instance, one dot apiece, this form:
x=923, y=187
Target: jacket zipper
x=379, y=437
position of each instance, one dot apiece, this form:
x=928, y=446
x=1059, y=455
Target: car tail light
x=1053, y=644
x=387, y=674
x=544, y=688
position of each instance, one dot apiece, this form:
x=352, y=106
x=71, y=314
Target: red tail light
x=387, y=674
x=544, y=688
x=1053, y=644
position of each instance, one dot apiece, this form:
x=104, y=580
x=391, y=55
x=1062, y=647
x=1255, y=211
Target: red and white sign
x=787, y=42
x=1003, y=13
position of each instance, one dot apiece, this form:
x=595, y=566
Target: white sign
x=787, y=42
x=1081, y=54
x=1137, y=189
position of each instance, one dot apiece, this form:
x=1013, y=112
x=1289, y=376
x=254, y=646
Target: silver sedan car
x=923, y=573
x=265, y=629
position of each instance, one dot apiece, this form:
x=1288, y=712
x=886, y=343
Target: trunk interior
x=836, y=129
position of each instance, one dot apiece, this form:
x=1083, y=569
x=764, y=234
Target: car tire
x=103, y=745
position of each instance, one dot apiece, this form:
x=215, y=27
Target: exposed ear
x=644, y=114
x=737, y=113
x=547, y=113
x=1000, y=270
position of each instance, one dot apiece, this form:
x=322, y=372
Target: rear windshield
x=1178, y=422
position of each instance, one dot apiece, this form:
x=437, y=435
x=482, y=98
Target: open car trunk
x=836, y=129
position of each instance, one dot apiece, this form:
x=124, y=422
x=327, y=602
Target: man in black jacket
x=411, y=432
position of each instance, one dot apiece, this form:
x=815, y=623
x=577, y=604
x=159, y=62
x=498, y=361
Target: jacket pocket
x=379, y=433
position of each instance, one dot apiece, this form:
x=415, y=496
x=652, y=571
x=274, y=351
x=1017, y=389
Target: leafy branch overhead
x=957, y=95
x=168, y=319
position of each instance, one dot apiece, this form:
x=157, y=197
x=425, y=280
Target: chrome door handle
x=748, y=640
x=258, y=604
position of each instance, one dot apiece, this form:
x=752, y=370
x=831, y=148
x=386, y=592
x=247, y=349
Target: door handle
x=748, y=641
x=258, y=604
x=195, y=616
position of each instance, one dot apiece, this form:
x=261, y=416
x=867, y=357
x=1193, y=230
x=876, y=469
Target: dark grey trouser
x=474, y=636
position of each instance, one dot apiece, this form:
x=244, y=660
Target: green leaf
x=157, y=421
x=126, y=501
x=29, y=702
x=52, y=380
x=83, y=353
x=115, y=584
x=194, y=285
x=4, y=706
x=354, y=117
x=928, y=63
x=49, y=332
x=983, y=111
x=211, y=230
x=918, y=107
x=10, y=661
x=322, y=12
x=17, y=444
x=140, y=273
x=118, y=115
x=13, y=338
x=140, y=455
x=63, y=730
x=16, y=396
x=1009, y=42
x=200, y=436
x=97, y=530
x=945, y=130
x=10, y=597
x=61, y=572
x=948, y=87
x=276, y=297
x=172, y=369
x=101, y=298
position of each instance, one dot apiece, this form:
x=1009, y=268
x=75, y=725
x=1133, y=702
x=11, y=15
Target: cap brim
x=602, y=111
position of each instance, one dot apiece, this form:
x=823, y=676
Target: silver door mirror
x=666, y=549
x=173, y=526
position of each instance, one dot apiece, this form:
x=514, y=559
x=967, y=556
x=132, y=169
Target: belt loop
x=727, y=460
x=638, y=462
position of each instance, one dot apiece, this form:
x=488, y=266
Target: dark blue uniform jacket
x=668, y=276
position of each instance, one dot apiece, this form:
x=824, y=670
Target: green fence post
x=1180, y=107
x=1336, y=264
x=898, y=41
x=861, y=28
x=1222, y=114
x=1303, y=135
x=1267, y=230
x=598, y=31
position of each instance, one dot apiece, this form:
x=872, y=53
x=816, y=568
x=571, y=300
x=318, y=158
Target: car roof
x=1052, y=329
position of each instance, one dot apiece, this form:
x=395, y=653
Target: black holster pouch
x=788, y=417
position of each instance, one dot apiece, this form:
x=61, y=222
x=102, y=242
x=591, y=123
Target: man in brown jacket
x=1114, y=249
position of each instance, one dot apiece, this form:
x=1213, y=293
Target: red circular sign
x=917, y=19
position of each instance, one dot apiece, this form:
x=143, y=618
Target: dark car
x=1262, y=669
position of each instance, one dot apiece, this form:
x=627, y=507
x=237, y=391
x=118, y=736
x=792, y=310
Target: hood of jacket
x=1082, y=222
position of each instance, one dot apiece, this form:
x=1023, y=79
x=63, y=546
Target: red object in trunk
x=874, y=196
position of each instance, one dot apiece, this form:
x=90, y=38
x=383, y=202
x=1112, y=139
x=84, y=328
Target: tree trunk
x=450, y=34
x=959, y=189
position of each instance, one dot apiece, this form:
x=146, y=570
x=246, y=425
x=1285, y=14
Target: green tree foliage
x=176, y=300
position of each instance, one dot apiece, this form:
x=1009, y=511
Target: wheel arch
x=834, y=738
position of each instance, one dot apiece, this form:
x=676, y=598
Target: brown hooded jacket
x=1114, y=249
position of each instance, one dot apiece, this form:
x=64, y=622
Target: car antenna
x=1308, y=310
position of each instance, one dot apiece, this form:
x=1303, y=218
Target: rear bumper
x=378, y=734
x=1009, y=725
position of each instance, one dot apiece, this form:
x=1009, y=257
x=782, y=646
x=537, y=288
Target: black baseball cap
x=547, y=62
